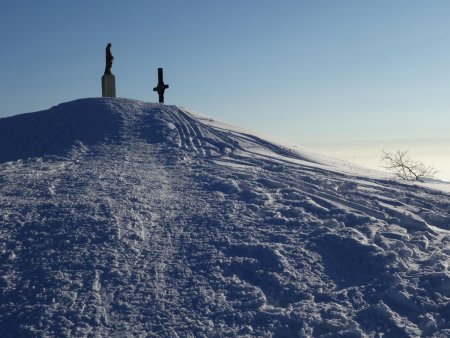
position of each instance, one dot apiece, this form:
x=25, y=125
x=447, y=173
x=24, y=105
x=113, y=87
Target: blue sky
x=307, y=71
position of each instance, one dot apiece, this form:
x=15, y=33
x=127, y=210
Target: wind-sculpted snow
x=128, y=219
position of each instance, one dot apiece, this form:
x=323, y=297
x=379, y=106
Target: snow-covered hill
x=121, y=218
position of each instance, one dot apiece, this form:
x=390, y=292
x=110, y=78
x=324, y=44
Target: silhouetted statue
x=161, y=87
x=109, y=59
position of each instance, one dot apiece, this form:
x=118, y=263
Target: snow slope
x=122, y=218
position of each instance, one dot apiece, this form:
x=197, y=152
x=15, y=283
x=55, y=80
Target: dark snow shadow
x=349, y=262
x=56, y=130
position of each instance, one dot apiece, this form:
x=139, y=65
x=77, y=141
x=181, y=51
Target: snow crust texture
x=121, y=218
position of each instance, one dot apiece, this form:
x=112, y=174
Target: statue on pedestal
x=108, y=79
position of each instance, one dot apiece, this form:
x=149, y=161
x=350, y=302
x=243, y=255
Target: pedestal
x=108, y=85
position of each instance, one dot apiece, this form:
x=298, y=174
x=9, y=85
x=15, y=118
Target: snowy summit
x=121, y=218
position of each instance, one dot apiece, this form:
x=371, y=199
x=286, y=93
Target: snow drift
x=129, y=219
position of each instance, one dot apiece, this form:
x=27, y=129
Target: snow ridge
x=129, y=219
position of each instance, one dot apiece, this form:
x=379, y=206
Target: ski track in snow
x=171, y=226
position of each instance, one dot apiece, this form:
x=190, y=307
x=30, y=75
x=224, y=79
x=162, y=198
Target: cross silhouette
x=161, y=87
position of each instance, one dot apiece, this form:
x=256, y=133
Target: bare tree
x=403, y=167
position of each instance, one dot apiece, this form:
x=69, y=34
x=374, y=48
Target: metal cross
x=161, y=87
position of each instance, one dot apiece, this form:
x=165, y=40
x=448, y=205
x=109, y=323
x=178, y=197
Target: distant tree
x=405, y=168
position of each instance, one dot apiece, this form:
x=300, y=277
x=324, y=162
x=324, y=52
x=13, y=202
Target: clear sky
x=308, y=71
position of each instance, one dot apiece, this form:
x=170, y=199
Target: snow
x=129, y=219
